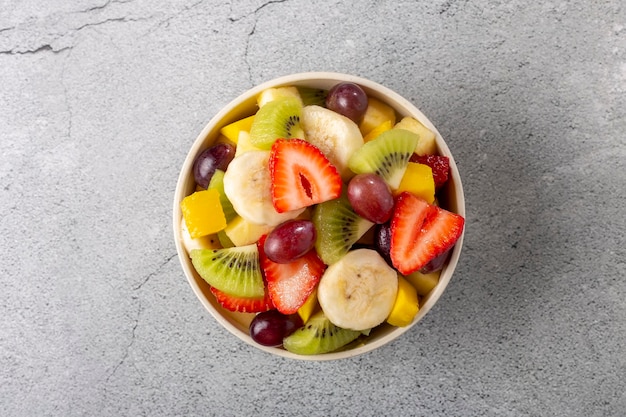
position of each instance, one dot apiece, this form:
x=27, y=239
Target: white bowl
x=245, y=105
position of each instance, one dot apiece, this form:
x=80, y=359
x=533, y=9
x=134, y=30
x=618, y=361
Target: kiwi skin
x=317, y=336
x=338, y=228
x=235, y=271
x=387, y=156
x=279, y=118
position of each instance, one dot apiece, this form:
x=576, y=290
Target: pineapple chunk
x=272, y=94
x=406, y=306
x=243, y=144
x=418, y=180
x=383, y=127
x=203, y=213
x=231, y=131
x=376, y=114
x=427, y=144
x=424, y=283
x=241, y=232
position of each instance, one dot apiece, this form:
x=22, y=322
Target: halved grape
x=347, y=99
x=213, y=158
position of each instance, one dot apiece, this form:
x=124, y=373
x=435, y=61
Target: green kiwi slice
x=313, y=96
x=279, y=118
x=235, y=271
x=317, y=336
x=387, y=156
x=217, y=182
x=338, y=228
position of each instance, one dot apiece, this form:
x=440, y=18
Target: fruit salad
x=320, y=215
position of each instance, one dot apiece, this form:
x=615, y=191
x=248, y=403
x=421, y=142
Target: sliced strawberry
x=420, y=232
x=439, y=164
x=243, y=304
x=289, y=285
x=301, y=175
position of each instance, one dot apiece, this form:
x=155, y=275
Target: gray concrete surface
x=100, y=101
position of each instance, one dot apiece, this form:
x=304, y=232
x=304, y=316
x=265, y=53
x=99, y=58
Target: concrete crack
x=257, y=10
x=155, y=272
x=43, y=48
x=128, y=346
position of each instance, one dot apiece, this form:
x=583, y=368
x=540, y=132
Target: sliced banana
x=358, y=291
x=247, y=185
x=335, y=135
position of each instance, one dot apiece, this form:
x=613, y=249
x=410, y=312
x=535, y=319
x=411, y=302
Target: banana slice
x=358, y=291
x=247, y=185
x=335, y=135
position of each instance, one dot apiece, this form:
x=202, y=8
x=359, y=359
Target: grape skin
x=271, y=327
x=211, y=159
x=290, y=240
x=348, y=99
x=371, y=197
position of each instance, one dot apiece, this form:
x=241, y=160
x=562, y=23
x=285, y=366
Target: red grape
x=290, y=240
x=436, y=263
x=216, y=157
x=271, y=327
x=371, y=197
x=347, y=99
x=382, y=241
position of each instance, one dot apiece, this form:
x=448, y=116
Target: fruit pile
x=320, y=214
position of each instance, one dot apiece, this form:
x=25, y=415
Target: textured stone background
x=101, y=99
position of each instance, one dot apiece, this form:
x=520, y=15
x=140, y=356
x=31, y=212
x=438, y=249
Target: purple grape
x=382, y=241
x=271, y=327
x=371, y=197
x=436, y=263
x=216, y=157
x=289, y=241
x=347, y=99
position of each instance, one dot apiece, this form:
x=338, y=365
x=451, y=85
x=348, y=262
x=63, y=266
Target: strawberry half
x=438, y=163
x=301, y=175
x=243, y=304
x=289, y=285
x=420, y=232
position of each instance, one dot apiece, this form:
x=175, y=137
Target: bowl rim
x=403, y=107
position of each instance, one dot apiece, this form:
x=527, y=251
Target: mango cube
x=376, y=113
x=418, y=179
x=406, y=306
x=231, y=131
x=309, y=307
x=373, y=134
x=427, y=144
x=203, y=213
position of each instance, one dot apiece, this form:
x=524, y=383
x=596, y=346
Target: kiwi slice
x=318, y=335
x=338, y=228
x=386, y=156
x=279, y=118
x=313, y=96
x=235, y=271
x=217, y=182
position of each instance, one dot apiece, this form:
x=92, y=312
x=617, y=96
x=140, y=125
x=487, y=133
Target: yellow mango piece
x=383, y=127
x=406, y=305
x=418, y=180
x=241, y=232
x=376, y=114
x=231, y=131
x=202, y=242
x=427, y=144
x=309, y=307
x=272, y=94
x=424, y=283
x=203, y=213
